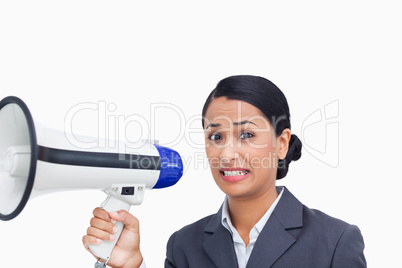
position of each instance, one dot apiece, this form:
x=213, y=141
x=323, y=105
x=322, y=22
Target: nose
x=229, y=152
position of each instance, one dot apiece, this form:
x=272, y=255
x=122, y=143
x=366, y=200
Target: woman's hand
x=127, y=252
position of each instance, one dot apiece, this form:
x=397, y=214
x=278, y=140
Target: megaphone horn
x=36, y=160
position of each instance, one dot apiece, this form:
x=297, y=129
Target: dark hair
x=269, y=99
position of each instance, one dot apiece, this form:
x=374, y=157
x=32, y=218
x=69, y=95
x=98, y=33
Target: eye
x=215, y=136
x=246, y=135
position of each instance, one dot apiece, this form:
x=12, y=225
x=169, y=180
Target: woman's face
x=242, y=149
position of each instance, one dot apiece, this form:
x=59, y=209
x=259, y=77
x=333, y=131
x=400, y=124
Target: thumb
x=130, y=222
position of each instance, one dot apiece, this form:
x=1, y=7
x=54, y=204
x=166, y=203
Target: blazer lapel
x=219, y=244
x=274, y=240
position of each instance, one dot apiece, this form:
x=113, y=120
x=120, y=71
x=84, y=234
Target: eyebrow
x=213, y=125
x=244, y=122
x=235, y=123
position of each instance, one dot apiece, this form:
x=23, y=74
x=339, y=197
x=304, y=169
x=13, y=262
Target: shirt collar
x=227, y=223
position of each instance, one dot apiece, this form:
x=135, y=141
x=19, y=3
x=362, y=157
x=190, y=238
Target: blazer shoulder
x=333, y=230
x=321, y=217
x=346, y=240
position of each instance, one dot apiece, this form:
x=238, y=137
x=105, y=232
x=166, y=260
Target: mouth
x=234, y=174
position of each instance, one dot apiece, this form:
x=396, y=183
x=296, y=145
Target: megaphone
x=36, y=160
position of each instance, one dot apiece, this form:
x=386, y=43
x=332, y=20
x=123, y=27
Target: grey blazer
x=294, y=236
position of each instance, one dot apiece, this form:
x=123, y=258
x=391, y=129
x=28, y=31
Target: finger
x=103, y=225
x=103, y=235
x=90, y=240
x=101, y=214
x=130, y=222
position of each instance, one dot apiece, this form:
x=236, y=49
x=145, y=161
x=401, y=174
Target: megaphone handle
x=104, y=249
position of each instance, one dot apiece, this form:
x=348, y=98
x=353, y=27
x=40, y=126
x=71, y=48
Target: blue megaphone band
x=171, y=167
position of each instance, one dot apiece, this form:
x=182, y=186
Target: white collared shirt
x=243, y=252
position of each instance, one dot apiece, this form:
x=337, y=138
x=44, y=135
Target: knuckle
x=104, y=215
x=93, y=221
x=133, y=218
x=103, y=235
x=136, y=221
x=95, y=211
x=109, y=227
x=100, y=213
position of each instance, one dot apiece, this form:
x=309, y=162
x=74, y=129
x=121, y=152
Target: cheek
x=263, y=160
x=213, y=156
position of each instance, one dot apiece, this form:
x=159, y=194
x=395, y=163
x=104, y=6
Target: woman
x=249, y=146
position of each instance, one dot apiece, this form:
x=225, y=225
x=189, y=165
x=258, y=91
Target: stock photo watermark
x=319, y=133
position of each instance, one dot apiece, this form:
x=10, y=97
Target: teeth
x=235, y=173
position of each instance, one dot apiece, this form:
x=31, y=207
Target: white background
x=131, y=54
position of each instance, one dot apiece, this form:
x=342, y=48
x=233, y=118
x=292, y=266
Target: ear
x=283, y=143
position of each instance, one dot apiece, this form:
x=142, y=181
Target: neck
x=245, y=213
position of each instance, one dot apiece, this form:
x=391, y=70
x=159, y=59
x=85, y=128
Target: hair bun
x=294, y=154
x=295, y=146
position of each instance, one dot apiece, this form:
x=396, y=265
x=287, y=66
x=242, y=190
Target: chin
x=231, y=189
